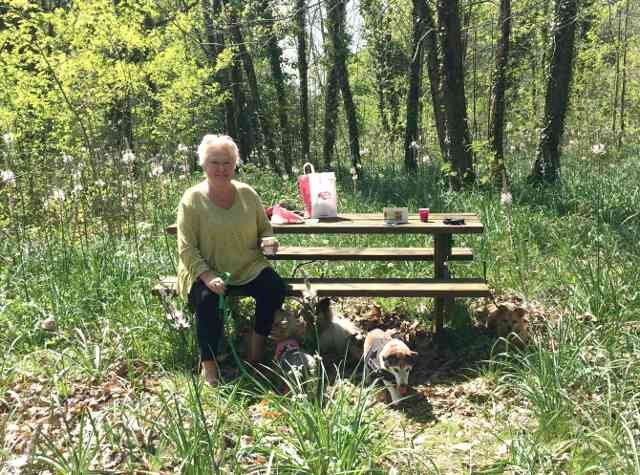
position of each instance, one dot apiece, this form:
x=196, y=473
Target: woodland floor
x=453, y=415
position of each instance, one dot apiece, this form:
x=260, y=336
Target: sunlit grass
x=573, y=249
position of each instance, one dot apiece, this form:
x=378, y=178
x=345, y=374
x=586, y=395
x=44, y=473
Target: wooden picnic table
x=441, y=286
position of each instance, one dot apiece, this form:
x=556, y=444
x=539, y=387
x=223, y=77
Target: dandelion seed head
x=67, y=159
x=182, y=148
x=505, y=198
x=99, y=183
x=128, y=156
x=9, y=139
x=156, y=170
x=144, y=226
x=58, y=195
x=7, y=176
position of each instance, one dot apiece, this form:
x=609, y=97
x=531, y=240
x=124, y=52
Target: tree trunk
x=337, y=33
x=262, y=120
x=616, y=82
x=376, y=28
x=547, y=163
x=303, y=77
x=213, y=47
x=454, y=98
x=496, y=134
x=434, y=71
x=275, y=59
x=624, y=75
x=246, y=136
x=330, y=116
x=418, y=15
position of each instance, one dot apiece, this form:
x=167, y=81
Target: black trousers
x=268, y=290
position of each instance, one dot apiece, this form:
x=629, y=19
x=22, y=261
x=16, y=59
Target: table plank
x=367, y=253
x=362, y=287
x=373, y=223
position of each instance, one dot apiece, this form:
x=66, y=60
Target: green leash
x=225, y=309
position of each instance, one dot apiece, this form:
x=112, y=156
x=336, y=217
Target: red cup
x=424, y=214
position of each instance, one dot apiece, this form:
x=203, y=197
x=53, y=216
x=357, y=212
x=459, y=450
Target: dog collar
x=284, y=346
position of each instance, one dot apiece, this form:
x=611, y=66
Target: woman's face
x=219, y=165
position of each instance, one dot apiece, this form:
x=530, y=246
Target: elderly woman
x=221, y=225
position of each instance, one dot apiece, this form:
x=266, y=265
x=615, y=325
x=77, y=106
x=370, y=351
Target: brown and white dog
x=390, y=360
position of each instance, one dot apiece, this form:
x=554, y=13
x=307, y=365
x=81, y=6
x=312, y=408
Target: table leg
x=441, y=253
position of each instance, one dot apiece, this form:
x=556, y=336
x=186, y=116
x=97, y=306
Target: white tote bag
x=318, y=191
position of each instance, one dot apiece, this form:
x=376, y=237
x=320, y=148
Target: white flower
x=99, y=183
x=414, y=145
x=364, y=152
x=144, y=226
x=67, y=159
x=295, y=170
x=426, y=158
x=156, y=170
x=354, y=177
x=78, y=189
x=128, y=156
x=598, y=149
x=505, y=198
x=285, y=176
x=8, y=139
x=58, y=195
x=353, y=171
x=7, y=176
x=182, y=148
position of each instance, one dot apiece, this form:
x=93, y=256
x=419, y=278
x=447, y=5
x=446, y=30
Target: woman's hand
x=269, y=246
x=213, y=283
x=216, y=285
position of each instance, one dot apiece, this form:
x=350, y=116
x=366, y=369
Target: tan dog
x=389, y=359
x=338, y=334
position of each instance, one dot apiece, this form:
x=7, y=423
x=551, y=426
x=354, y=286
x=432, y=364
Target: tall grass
x=89, y=261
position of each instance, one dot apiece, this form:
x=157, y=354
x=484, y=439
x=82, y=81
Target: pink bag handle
x=304, y=168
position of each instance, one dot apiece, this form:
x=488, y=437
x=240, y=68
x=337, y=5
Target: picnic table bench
x=442, y=287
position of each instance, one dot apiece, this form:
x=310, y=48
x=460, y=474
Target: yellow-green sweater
x=218, y=239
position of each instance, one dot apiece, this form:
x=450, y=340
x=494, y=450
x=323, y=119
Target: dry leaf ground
x=454, y=419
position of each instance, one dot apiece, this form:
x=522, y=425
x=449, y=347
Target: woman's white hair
x=219, y=142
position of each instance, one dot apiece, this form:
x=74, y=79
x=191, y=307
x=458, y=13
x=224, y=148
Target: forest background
x=525, y=112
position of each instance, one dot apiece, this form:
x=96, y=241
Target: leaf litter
x=451, y=414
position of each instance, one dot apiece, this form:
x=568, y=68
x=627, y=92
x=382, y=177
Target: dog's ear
x=324, y=308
